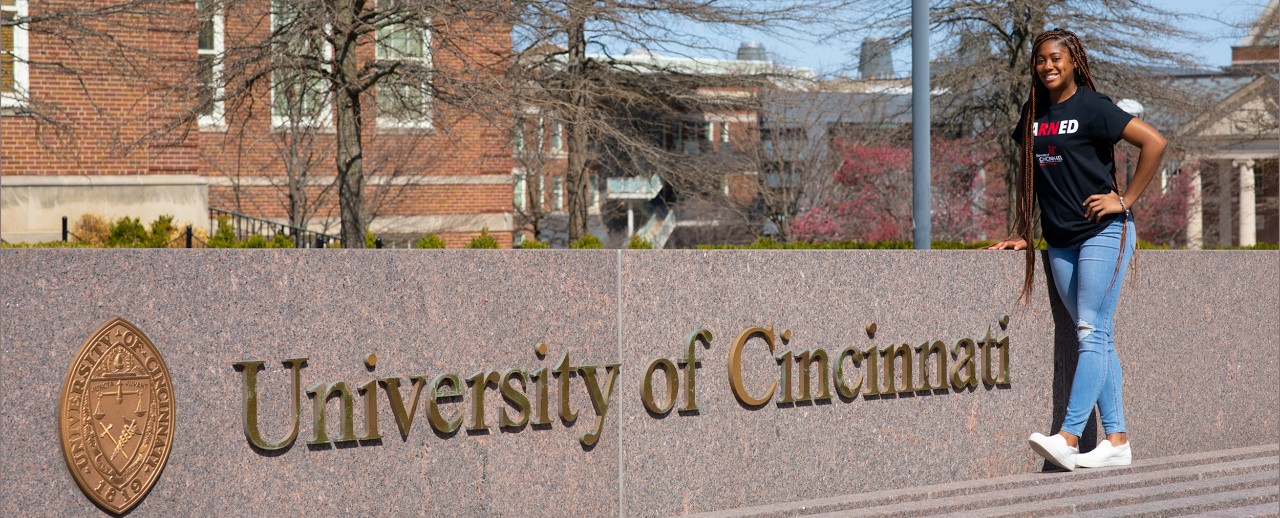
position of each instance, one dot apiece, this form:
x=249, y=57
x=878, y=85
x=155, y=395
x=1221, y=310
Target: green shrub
x=52, y=244
x=588, y=241
x=370, y=240
x=162, y=232
x=126, y=232
x=224, y=236
x=254, y=241
x=431, y=240
x=484, y=240
x=639, y=243
x=530, y=244
x=281, y=241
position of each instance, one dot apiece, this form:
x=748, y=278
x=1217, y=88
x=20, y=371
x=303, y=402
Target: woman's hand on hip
x=1016, y=244
x=1099, y=205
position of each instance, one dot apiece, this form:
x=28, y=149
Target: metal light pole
x=921, y=232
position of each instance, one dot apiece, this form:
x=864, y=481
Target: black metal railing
x=246, y=226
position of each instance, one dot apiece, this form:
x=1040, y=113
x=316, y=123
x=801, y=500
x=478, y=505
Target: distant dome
x=639, y=52
x=1130, y=106
x=751, y=51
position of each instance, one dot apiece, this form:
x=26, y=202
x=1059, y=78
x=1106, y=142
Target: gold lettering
x=479, y=382
x=938, y=349
x=690, y=364
x=370, y=391
x=784, y=363
x=872, y=356
x=442, y=425
x=988, y=376
x=543, y=414
x=404, y=419
x=250, y=414
x=964, y=373
x=646, y=392
x=735, y=366
x=320, y=394
x=892, y=353
x=562, y=372
x=599, y=400
x=843, y=388
x=808, y=358
x=515, y=398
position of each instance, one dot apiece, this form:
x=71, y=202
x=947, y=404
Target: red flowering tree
x=1161, y=215
x=873, y=198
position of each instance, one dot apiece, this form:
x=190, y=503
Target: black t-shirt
x=1074, y=157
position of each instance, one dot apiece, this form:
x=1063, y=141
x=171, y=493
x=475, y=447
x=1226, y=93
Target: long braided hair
x=1039, y=97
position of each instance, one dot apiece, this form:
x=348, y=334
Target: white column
x=1195, y=212
x=631, y=219
x=1248, y=204
x=1224, y=205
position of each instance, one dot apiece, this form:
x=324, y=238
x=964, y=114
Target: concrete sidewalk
x=1225, y=483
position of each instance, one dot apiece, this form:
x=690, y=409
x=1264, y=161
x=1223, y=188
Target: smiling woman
x=1067, y=132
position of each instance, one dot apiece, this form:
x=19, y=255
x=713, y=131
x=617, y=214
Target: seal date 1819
x=116, y=416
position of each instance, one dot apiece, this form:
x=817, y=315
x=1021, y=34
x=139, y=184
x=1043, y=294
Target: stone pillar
x=1224, y=205
x=1248, y=204
x=1195, y=212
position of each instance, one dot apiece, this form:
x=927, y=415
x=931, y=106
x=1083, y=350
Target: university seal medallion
x=116, y=416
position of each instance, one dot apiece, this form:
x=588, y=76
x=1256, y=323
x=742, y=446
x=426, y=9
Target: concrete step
x=1035, y=494
x=1268, y=510
x=1109, y=500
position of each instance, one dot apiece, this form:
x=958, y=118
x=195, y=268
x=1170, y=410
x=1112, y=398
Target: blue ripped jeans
x=1089, y=284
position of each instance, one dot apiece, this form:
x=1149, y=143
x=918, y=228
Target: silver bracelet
x=1122, y=207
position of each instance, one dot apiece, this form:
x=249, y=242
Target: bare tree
x=984, y=55
x=572, y=73
x=313, y=62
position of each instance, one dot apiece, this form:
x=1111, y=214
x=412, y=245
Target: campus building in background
x=87, y=132
x=1235, y=143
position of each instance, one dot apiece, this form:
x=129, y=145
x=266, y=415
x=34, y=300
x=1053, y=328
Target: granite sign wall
x=597, y=382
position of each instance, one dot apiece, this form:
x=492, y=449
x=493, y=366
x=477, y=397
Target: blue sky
x=1212, y=20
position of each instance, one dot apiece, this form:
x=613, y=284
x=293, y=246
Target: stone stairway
x=1240, y=482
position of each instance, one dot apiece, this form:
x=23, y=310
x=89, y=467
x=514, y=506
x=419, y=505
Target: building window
x=404, y=97
x=710, y=132
x=208, y=54
x=594, y=194
x=13, y=53
x=724, y=132
x=557, y=137
x=517, y=140
x=521, y=189
x=299, y=91
x=557, y=193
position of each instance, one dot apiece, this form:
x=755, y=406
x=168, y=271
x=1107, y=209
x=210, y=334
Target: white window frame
x=517, y=139
x=21, y=54
x=520, y=188
x=557, y=193
x=325, y=119
x=724, y=132
x=593, y=197
x=557, y=137
x=428, y=120
x=219, y=26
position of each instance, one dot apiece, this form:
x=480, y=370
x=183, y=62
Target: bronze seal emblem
x=116, y=416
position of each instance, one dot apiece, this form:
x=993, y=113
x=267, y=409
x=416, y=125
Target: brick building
x=1234, y=143
x=143, y=116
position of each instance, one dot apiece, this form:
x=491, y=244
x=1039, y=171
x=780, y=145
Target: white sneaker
x=1106, y=455
x=1054, y=449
